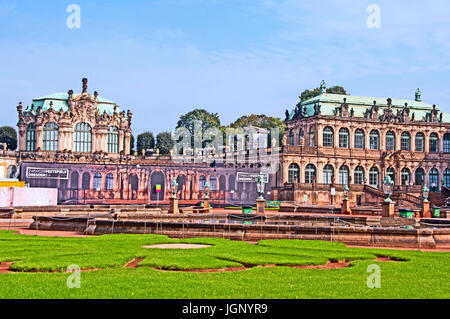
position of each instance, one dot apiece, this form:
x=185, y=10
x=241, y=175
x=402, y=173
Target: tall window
x=434, y=143
x=446, y=178
x=344, y=138
x=50, y=137
x=109, y=182
x=390, y=141
x=294, y=173
x=97, y=181
x=31, y=137
x=312, y=137
x=405, y=143
x=406, y=175
x=373, y=177
x=420, y=142
x=434, y=180
x=374, y=140
x=310, y=173
x=86, y=181
x=359, y=175
x=82, y=139
x=113, y=140
x=202, y=182
x=419, y=178
x=328, y=137
x=343, y=175
x=446, y=143
x=391, y=172
x=359, y=139
x=328, y=172
x=301, y=136
x=291, y=137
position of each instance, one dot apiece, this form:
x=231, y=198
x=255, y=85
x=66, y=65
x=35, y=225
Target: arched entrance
x=157, y=178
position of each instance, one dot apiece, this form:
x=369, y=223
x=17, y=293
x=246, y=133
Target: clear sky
x=163, y=58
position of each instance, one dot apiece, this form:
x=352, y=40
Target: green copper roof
x=59, y=100
x=360, y=104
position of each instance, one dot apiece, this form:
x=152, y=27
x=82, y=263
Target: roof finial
x=418, y=95
x=85, y=81
x=323, y=87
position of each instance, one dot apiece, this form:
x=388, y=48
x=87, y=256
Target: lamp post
x=345, y=203
x=425, y=202
x=260, y=200
x=388, y=204
x=173, y=201
x=206, y=199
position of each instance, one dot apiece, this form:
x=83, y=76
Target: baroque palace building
x=80, y=144
x=332, y=140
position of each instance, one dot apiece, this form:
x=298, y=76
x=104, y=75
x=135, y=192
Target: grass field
x=40, y=263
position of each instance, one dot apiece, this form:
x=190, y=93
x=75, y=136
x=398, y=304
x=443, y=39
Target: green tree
x=132, y=144
x=308, y=94
x=8, y=135
x=164, y=142
x=207, y=120
x=145, y=141
x=262, y=121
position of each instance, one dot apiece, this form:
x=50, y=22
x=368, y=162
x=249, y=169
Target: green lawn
x=41, y=261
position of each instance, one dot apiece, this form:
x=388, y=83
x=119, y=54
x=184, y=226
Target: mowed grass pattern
x=40, y=263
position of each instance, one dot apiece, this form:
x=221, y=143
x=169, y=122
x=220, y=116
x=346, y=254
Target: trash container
x=405, y=213
x=246, y=210
x=436, y=213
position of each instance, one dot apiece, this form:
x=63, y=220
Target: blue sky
x=163, y=58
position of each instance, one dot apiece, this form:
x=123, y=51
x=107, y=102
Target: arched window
x=301, y=136
x=97, y=181
x=359, y=175
x=86, y=181
x=213, y=183
x=291, y=137
x=390, y=141
x=359, y=139
x=328, y=137
x=109, y=182
x=50, y=137
x=74, y=184
x=82, y=139
x=446, y=178
x=446, y=143
x=310, y=173
x=406, y=176
x=202, y=182
x=434, y=180
x=374, y=177
x=312, y=137
x=328, y=173
x=391, y=172
x=344, y=136
x=11, y=171
x=343, y=175
x=374, y=140
x=419, y=177
x=420, y=142
x=294, y=173
x=405, y=142
x=434, y=143
x=113, y=140
x=31, y=137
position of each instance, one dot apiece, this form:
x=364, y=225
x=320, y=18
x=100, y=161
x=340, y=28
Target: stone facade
x=67, y=123
x=333, y=139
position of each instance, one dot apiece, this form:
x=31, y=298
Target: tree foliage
x=208, y=120
x=145, y=141
x=308, y=94
x=164, y=142
x=8, y=135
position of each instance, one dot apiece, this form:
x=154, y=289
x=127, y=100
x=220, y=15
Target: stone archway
x=157, y=178
x=182, y=192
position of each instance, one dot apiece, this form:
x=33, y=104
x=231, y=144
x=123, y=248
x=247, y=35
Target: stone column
x=127, y=146
x=39, y=133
